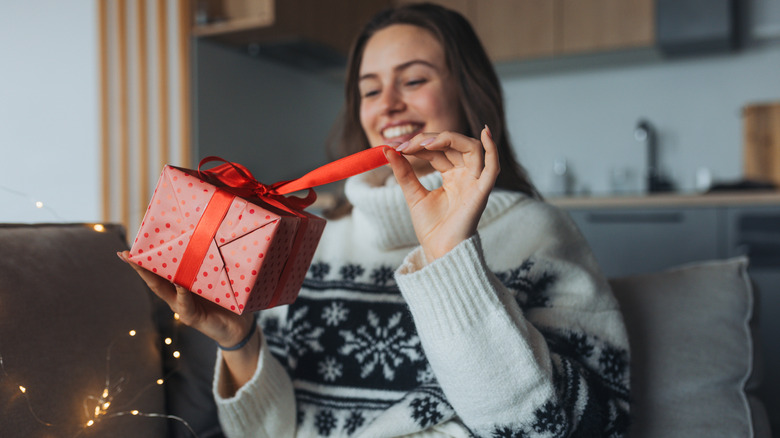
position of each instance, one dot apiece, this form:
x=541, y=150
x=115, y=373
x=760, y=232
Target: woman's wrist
x=241, y=343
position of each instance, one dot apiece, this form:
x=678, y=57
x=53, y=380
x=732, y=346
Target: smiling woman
x=451, y=301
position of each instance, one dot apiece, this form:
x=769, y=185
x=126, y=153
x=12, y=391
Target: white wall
x=49, y=130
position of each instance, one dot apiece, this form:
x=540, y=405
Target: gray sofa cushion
x=692, y=348
x=67, y=305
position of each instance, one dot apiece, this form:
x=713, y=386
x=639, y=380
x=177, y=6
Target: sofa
x=87, y=350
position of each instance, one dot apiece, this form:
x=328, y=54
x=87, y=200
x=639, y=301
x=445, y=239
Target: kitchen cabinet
x=522, y=29
x=631, y=241
x=318, y=24
x=600, y=25
x=509, y=29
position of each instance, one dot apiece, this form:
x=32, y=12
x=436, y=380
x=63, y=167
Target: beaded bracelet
x=243, y=341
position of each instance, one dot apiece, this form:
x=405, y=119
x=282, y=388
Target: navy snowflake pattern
x=531, y=284
x=580, y=345
x=353, y=422
x=426, y=411
x=508, y=432
x=382, y=275
x=549, y=419
x=325, y=422
x=350, y=272
x=319, y=270
x=614, y=363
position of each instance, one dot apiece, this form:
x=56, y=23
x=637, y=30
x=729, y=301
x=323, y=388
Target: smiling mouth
x=404, y=130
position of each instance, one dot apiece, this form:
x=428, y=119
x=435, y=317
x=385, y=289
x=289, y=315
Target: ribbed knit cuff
x=263, y=403
x=452, y=293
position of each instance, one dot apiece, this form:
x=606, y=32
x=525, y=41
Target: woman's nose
x=391, y=100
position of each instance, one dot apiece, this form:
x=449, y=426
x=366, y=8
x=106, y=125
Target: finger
x=185, y=304
x=412, y=189
x=161, y=287
x=459, y=149
x=492, y=165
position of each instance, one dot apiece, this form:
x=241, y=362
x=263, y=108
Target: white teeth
x=397, y=131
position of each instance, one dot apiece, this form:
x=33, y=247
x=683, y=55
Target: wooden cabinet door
x=598, y=25
x=512, y=29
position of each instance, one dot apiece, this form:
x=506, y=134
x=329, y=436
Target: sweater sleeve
x=262, y=407
x=546, y=356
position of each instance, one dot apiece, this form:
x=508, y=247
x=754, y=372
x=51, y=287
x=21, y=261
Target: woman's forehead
x=399, y=45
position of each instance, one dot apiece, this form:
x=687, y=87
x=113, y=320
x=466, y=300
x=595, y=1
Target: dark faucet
x=645, y=133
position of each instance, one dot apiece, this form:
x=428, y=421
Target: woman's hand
x=448, y=215
x=218, y=323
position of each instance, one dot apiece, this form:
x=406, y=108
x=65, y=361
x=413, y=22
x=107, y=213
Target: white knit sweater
x=514, y=333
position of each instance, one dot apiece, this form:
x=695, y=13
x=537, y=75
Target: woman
x=440, y=305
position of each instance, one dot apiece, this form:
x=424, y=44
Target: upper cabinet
x=509, y=29
x=325, y=24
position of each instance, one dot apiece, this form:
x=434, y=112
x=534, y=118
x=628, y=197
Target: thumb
x=413, y=190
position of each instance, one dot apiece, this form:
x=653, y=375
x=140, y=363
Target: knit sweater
x=513, y=333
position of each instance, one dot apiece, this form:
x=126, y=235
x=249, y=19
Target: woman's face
x=405, y=86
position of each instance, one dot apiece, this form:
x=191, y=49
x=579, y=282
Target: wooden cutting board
x=761, y=147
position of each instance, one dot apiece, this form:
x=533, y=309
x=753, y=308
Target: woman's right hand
x=214, y=321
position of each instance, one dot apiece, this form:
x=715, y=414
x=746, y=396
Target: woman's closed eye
x=412, y=83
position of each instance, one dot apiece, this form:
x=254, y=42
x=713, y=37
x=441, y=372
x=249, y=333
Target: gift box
x=228, y=238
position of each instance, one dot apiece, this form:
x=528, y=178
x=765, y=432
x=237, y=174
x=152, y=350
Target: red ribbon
x=238, y=180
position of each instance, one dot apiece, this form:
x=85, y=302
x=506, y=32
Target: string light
x=38, y=204
x=176, y=316
x=101, y=406
x=99, y=228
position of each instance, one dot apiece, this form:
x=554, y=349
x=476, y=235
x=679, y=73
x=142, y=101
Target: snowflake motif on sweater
x=346, y=345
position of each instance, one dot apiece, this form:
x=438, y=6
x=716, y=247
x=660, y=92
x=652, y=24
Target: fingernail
x=394, y=144
x=119, y=254
x=490, y=134
x=402, y=146
x=427, y=141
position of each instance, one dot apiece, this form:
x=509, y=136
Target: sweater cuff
x=262, y=402
x=452, y=293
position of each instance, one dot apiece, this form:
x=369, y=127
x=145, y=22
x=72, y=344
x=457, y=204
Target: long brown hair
x=480, y=93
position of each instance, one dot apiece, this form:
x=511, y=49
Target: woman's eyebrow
x=400, y=67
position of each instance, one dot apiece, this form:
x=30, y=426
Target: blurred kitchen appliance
x=761, y=148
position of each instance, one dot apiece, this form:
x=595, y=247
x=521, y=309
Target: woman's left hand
x=448, y=215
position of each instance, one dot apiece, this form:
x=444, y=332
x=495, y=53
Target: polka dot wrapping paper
x=244, y=254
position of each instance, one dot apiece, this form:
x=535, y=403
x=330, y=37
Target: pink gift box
x=245, y=253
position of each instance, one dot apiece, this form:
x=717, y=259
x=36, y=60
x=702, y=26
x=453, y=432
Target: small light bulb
x=39, y=204
x=106, y=405
x=97, y=411
x=23, y=389
x=90, y=423
x=176, y=316
x=134, y=412
x=176, y=354
x=105, y=393
x=99, y=228
x=159, y=381
x=132, y=332
x=168, y=341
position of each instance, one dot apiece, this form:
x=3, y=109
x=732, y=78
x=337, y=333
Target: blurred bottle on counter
x=562, y=178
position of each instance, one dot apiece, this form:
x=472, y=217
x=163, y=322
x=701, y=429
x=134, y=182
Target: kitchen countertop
x=715, y=199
